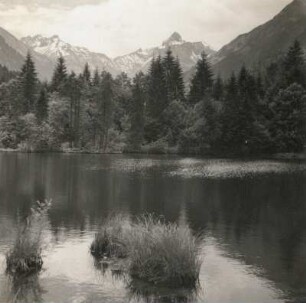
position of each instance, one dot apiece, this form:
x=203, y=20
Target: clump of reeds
x=25, y=256
x=110, y=241
x=160, y=253
x=164, y=253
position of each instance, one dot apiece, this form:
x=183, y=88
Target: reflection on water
x=138, y=290
x=26, y=289
x=252, y=215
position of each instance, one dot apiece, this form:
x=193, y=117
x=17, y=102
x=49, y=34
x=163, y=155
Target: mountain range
x=76, y=57
x=255, y=49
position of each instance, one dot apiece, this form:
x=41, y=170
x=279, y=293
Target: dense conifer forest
x=252, y=112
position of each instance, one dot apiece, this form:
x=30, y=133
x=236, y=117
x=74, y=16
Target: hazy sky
x=117, y=27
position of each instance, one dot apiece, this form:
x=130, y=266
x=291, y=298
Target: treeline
x=252, y=112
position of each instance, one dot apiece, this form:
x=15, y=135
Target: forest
x=252, y=112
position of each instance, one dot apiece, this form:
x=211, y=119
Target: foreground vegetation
x=255, y=111
x=156, y=252
x=25, y=256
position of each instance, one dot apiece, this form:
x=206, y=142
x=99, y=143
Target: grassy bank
x=156, y=252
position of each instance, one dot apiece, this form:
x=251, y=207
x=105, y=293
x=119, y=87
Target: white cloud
x=120, y=26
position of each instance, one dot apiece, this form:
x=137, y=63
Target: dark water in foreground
x=252, y=215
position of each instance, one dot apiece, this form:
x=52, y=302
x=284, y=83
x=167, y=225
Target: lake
x=251, y=213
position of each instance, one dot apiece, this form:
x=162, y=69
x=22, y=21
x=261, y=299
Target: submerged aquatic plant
x=159, y=253
x=25, y=256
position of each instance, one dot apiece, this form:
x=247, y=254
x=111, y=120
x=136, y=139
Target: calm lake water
x=252, y=214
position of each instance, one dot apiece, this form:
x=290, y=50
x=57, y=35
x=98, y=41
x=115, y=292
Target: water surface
x=252, y=214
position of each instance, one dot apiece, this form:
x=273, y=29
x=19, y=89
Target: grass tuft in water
x=159, y=253
x=110, y=241
x=164, y=253
x=25, y=256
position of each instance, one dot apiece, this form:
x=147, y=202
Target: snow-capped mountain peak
x=76, y=57
x=174, y=39
x=187, y=52
x=52, y=46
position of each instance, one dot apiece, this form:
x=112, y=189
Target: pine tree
x=59, y=76
x=106, y=107
x=41, y=108
x=179, y=81
x=218, y=89
x=157, y=101
x=173, y=78
x=230, y=112
x=137, y=112
x=86, y=76
x=211, y=131
x=28, y=81
x=202, y=82
x=294, y=66
x=246, y=113
x=157, y=89
x=73, y=91
x=96, y=78
x=123, y=92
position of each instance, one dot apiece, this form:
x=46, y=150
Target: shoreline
x=276, y=156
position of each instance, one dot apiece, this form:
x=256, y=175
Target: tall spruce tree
x=246, y=111
x=106, y=107
x=157, y=101
x=157, y=89
x=59, y=76
x=96, y=78
x=73, y=91
x=41, y=108
x=173, y=77
x=86, y=74
x=294, y=66
x=29, y=81
x=230, y=125
x=137, y=112
x=218, y=89
x=123, y=92
x=202, y=81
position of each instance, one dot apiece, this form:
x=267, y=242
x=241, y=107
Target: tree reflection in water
x=26, y=289
x=141, y=291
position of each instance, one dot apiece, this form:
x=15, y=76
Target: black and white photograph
x=152, y=151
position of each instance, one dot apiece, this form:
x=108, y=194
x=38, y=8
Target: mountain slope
x=13, y=53
x=76, y=57
x=265, y=43
x=187, y=52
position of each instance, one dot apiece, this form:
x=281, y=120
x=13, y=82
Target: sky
x=117, y=27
